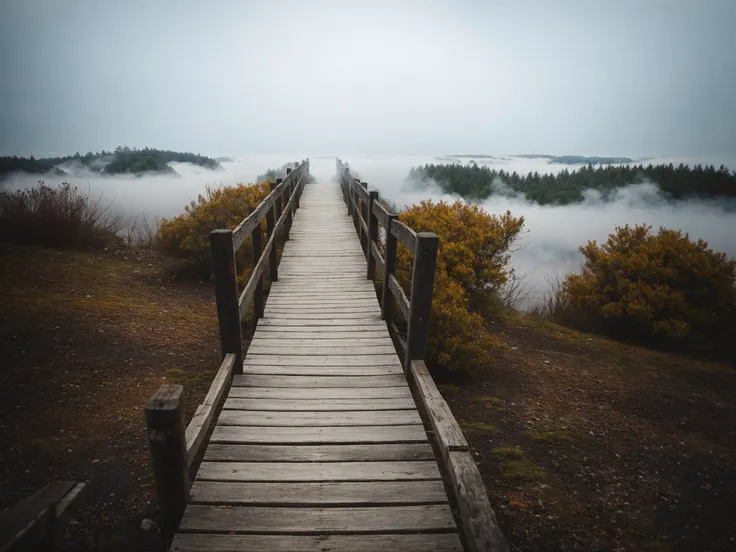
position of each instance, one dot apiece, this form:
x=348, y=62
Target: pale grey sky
x=624, y=77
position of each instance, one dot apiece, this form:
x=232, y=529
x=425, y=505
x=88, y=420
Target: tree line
x=123, y=160
x=474, y=182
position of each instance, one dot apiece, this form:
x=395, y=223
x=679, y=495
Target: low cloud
x=555, y=232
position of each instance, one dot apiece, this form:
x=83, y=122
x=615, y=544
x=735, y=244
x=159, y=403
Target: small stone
x=546, y=361
x=148, y=525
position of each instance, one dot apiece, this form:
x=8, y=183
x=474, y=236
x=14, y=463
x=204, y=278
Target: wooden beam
x=271, y=217
x=372, y=235
x=167, y=443
x=420, y=304
x=226, y=294
x=202, y=420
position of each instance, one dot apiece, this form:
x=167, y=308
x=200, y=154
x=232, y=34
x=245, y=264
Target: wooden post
x=372, y=235
x=226, y=295
x=363, y=215
x=348, y=196
x=167, y=442
x=420, y=303
x=287, y=211
x=279, y=204
x=256, y=251
x=273, y=269
x=390, y=253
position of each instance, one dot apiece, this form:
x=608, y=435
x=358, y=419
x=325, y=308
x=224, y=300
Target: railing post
x=273, y=269
x=372, y=221
x=420, y=303
x=226, y=295
x=279, y=201
x=363, y=215
x=256, y=251
x=348, y=196
x=287, y=211
x=390, y=253
x=164, y=415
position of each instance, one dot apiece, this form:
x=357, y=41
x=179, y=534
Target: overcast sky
x=623, y=77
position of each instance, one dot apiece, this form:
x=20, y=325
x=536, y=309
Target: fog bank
x=554, y=233
x=549, y=245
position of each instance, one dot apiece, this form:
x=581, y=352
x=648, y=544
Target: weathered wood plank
x=318, y=471
x=422, y=285
x=436, y=517
x=407, y=236
x=192, y=542
x=399, y=295
x=310, y=405
x=318, y=435
x=362, y=493
x=320, y=333
x=342, y=324
x=202, y=420
x=449, y=435
x=478, y=518
x=386, y=452
x=319, y=418
x=285, y=338
x=321, y=360
x=348, y=393
x=304, y=382
x=325, y=308
x=276, y=350
x=324, y=370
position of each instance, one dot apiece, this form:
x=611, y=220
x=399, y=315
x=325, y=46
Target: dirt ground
x=588, y=444
x=86, y=338
x=584, y=443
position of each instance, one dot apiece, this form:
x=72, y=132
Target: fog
x=552, y=233
x=549, y=247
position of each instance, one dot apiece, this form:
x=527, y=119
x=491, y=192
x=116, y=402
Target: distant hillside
x=476, y=182
x=123, y=160
x=578, y=159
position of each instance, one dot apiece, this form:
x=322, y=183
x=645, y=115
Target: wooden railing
x=278, y=210
x=173, y=444
x=367, y=214
x=480, y=526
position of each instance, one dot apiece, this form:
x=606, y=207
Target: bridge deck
x=319, y=445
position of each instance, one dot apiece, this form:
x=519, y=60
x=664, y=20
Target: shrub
x=471, y=267
x=659, y=288
x=56, y=217
x=188, y=234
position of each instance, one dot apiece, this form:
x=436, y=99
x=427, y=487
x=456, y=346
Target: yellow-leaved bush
x=663, y=288
x=188, y=234
x=472, y=263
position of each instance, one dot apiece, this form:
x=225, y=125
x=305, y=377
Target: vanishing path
x=320, y=445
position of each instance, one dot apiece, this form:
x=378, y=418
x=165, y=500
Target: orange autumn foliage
x=472, y=263
x=659, y=288
x=188, y=234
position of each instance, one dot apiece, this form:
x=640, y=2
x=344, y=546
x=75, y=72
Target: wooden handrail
x=174, y=445
x=367, y=214
x=481, y=529
x=277, y=209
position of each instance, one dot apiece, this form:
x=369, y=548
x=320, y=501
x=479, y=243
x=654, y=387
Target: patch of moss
x=495, y=401
x=522, y=470
x=550, y=436
x=508, y=452
x=473, y=425
x=448, y=390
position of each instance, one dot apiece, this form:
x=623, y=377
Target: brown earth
x=584, y=443
x=86, y=338
x=589, y=444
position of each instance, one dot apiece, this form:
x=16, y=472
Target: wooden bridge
x=320, y=445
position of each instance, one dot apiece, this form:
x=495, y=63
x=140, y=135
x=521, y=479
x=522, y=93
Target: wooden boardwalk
x=319, y=446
